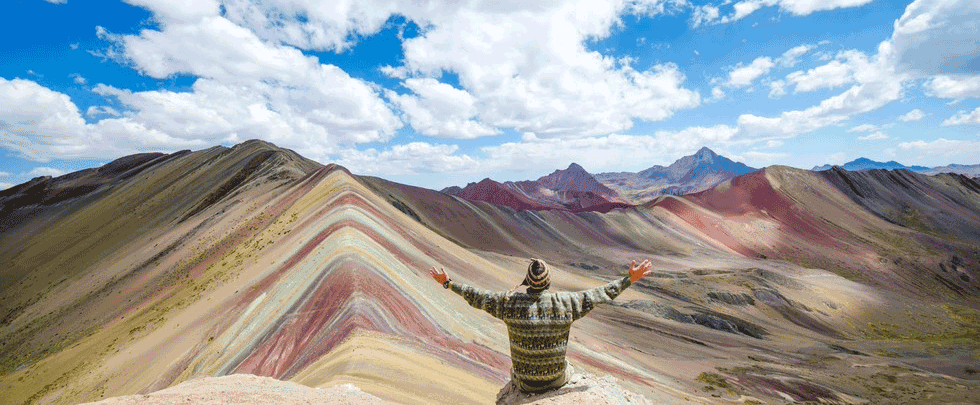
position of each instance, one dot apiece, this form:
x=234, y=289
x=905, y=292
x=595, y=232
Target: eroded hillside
x=774, y=286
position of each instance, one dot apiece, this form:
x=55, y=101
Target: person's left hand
x=637, y=272
x=439, y=275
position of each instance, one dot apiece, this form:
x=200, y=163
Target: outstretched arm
x=476, y=297
x=585, y=301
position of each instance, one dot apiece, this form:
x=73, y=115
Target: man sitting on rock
x=538, y=321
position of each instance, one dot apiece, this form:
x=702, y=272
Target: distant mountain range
x=689, y=174
x=575, y=189
x=860, y=164
x=571, y=189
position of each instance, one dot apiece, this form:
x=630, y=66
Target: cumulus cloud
x=246, y=88
x=755, y=157
x=528, y=67
x=913, y=115
x=944, y=147
x=938, y=37
x=792, y=56
x=440, y=110
x=101, y=110
x=77, y=78
x=45, y=171
x=716, y=94
x=846, y=68
x=524, y=64
x=874, y=136
x=864, y=128
x=744, y=75
x=956, y=87
x=704, y=14
x=964, y=117
x=777, y=88
x=4, y=185
x=38, y=122
x=409, y=158
x=710, y=14
x=604, y=153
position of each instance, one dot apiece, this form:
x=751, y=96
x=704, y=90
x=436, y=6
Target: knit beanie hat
x=537, y=275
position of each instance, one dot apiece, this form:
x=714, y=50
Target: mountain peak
x=704, y=151
x=575, y=167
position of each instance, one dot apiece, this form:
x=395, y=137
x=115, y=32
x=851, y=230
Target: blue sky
x=437, y=94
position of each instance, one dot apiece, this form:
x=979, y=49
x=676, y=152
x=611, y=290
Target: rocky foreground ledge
x=581, y=389
x=249, y=389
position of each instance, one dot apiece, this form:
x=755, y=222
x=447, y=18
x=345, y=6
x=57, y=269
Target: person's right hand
x=438, y=275
x=637, y=272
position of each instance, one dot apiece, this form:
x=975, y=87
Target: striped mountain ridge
x=572, y=189
x=689, y=174
x=254, y=260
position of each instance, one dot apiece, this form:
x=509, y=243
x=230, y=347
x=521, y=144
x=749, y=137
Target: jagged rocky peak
x=705, y=154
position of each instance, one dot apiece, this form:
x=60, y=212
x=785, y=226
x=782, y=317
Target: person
x=538, y=321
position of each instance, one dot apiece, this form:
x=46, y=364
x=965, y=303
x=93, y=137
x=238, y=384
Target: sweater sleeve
x=585, y=301
x=479, y=298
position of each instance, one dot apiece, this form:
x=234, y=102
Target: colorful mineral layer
x=780, y=285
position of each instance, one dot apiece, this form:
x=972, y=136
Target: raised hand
x=637, y=272
x=438, y=275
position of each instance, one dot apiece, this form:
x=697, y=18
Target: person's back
x=538, y=322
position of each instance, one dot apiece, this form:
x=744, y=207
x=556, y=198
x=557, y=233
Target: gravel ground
x=581, y=389
x=247, y=389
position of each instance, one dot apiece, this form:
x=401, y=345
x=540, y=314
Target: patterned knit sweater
x=538, y=325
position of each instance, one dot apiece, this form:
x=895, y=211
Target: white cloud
x=864, y=128
x=777, y=88
x=842, y=70
x=172, y=11
x=938, y=37
x=4, y=174
x=956, y=87
x=73, y=46
x=525, y=64
x=604, y=153
x=38, y=122
x=528, y=68
x=874, y=136
x=77, y=78
x=837, y=158
x=963, y=117
x=247, y=88
x=104, y=110
x=913, y=115
x=704, y=14
x=755, y=157
x=716, y=94
x=409, y=158
x=45, y=171
x=774, y=143
x=792, y=56
x=440, y=110
x=744, y=75
x=944, y=147
x=4, y=186
x=57, y=1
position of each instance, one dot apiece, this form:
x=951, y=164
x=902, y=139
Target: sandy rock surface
x=581, y=389
x=247, y=389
